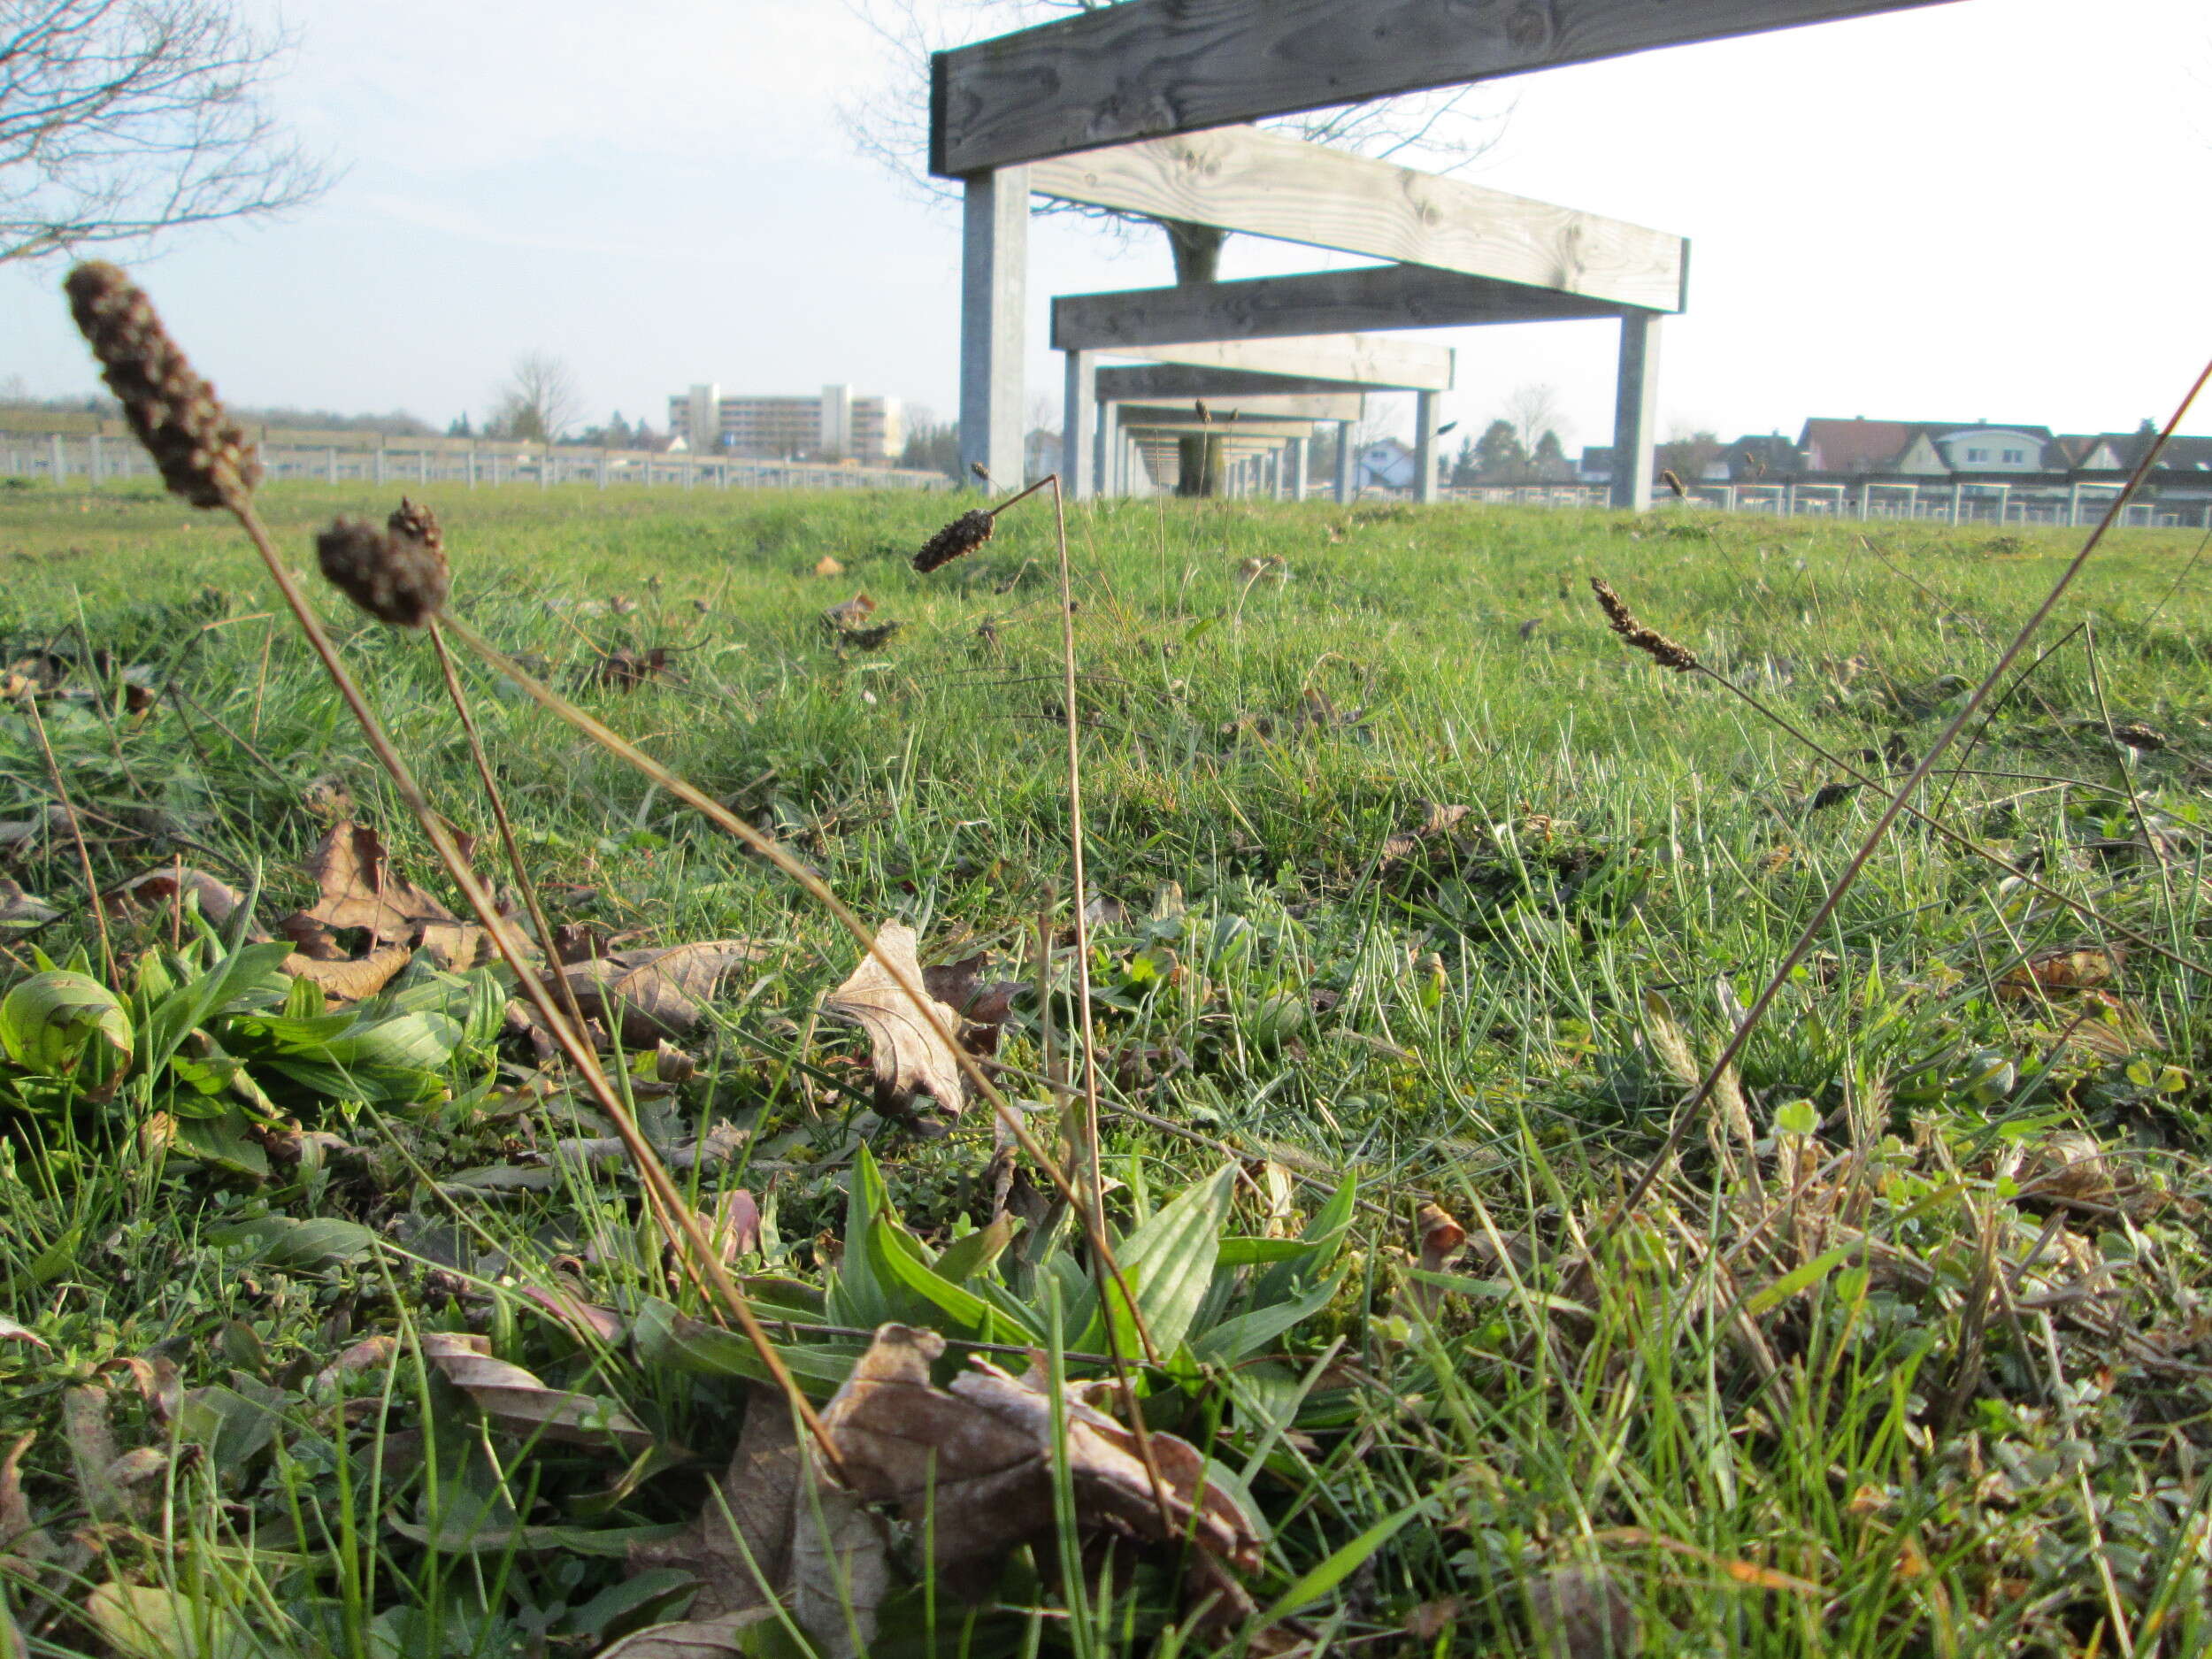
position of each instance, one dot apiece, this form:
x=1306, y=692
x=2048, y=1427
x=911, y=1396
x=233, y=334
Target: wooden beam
x=1152, y=67
x=1266, y=185
x=1166, y=382
x=1311, y=406
x=1369, y=360
x=1138, y=418
x=1319, y=302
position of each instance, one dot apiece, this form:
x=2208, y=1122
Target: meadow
x=1417, y=906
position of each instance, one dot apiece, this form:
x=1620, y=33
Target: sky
x=1985, y=209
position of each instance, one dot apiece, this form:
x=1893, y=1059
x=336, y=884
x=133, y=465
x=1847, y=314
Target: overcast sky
x=1990, y=209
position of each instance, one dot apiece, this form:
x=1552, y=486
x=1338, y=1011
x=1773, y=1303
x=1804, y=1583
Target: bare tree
x=1444, y=130
x=539, y=401
x=123, y=118
x=1534, y=409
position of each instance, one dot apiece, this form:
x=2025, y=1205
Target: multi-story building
x=833, y=426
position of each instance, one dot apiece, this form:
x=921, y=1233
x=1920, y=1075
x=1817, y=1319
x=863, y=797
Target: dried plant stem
x=1094, y=1184
x=492, y=792
x=76, y=836
x=1891, y=812
x=816, y=888
x=675, y=1216
x=1957, y=838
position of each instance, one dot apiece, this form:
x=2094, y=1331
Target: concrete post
x=1297, y=455
x=1635, y=410
x=1102, y=441
x=1077, y=469
x=1427, y=407
x=993, y=271
x=380, y=464
x=57, y=460
x=1346, y=462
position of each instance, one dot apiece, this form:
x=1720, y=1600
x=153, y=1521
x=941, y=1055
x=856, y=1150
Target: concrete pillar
x=57, y=459
x=1346, y=462
x=1427, y=407
x=1102, y=446
x=1635, y=410
x=1295, y=456
x=993, y=272
x=1078, y=465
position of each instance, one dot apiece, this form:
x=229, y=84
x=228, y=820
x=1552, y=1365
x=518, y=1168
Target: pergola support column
x=1636, y=410
x=1344, y=461
x=1295, y=457
x=993, y=276
x=1427, y=407
x=1078, y=463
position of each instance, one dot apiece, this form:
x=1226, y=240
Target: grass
x=1921, y=1368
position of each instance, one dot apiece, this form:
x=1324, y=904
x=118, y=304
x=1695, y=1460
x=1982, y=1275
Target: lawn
x=1416, y=905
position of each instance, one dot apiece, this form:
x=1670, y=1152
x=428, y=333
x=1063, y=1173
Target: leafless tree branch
x=121, y=119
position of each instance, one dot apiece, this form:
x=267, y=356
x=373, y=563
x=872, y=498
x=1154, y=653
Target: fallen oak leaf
x=911, y=1053
x=975, y=1462
x=357, y=888
x=347, y=979
x=690, y=1638
x=172, y=884
x=656, y=993
x=517, y=1401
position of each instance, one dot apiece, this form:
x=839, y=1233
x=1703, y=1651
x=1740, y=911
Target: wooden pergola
x=1136, y=107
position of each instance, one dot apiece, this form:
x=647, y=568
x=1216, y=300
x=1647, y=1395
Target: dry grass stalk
x=1811, y=931
x=1957, y=838
x=203, y=455
x=208, y=476
x=971, y=529
x=397, y=575
x=1650, y=641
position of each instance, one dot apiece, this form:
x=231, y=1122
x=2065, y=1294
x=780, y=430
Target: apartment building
x=836, y=425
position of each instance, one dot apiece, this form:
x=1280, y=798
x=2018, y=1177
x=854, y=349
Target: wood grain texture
x=1164, y=382
x=1150, y=68
x=1304, y=406
x=1181, y=418
x=1372, y=360
x=1265, y=185
x=1319, y=303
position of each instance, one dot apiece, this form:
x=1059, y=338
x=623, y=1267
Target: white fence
x=93, y=460
x=2069, y=505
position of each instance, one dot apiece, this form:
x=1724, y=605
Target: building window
x=2013, y=457
x=1973, y=456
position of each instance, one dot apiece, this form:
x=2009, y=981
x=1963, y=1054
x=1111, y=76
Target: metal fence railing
x=92, y=459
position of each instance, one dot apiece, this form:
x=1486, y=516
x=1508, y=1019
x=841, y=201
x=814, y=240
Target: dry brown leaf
x=22, y=1540
x=457, y=946
x=689, y=1639
x=734, y=1225
x=1441, y=1240
x=984, y=1006
x=827, y=566
x=346, y=979
x=84, y=1427
x=517, y=1401
x=912, y=1058
x=854, y=612
x=975, y=1462
x=169, y=885
x=2062, y=971
x=358, y=889
x=761, y=1511
x=18, y=909
x=1581, y=1613
x=1439, y=824
x=368, y=1353
x=625, y=670
x=656, y=993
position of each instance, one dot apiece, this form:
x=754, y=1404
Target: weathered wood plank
x=1373, y=360
x=1307, y=406
x=1265, y=185
x=1318, y=302
x=1152, y=67
x=1164, y=382
x=1146, y=418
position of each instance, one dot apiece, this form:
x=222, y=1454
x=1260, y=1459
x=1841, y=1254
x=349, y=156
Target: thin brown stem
x=1890, y=813
x=1095, y=1184
x=675, y=1218
x=76, y=836
x=492, y=792
x=1957, y=838
x=815, y=887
